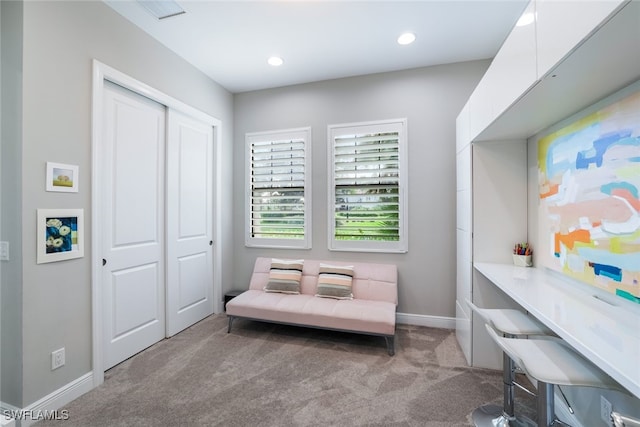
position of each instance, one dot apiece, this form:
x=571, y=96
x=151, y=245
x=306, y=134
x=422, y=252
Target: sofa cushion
x=375, y=317
x=334, y=281
x=284, y=276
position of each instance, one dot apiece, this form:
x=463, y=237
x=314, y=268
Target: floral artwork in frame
x=62, y=177
x=60, y=234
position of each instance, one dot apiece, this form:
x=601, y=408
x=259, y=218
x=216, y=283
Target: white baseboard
x=424, y=320
x=6, y=419
x=57, y=399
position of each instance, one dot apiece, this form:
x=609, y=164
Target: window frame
x=303, y=133
x=379, y=126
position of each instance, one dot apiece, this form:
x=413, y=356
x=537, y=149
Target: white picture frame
x=60, y=235
x=62, y=177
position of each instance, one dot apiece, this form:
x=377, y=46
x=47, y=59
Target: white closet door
x=189, y=221
x=132, y=205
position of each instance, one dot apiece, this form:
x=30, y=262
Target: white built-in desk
x=604, y=329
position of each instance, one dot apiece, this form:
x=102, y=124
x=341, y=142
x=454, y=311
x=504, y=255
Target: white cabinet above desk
x=603, y=328
x=588, y=48
x=593, y=57
x=562, y=25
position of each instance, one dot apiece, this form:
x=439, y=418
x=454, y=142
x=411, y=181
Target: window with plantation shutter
x=367, y=209
x=278, y=202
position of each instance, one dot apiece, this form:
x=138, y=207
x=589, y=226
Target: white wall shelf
x=603, y=328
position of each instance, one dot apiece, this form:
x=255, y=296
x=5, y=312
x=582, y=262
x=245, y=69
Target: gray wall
x=60, y=40
x=10, y=220
x=430, y=98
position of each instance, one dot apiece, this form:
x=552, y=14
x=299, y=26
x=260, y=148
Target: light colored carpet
x=275, y=375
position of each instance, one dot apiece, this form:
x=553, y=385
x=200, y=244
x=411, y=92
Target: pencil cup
x=522, y=260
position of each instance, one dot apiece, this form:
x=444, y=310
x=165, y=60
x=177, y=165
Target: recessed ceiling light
x=406, y=38
x=525, y=19
x=275, y=61
x=162, y=9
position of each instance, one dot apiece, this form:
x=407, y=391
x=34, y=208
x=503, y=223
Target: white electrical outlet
x=605, y=410
x=57, y=358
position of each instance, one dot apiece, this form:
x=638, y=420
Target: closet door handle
x=104, y=262
x=210, y=242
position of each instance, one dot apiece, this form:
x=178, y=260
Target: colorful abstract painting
x=589, y=193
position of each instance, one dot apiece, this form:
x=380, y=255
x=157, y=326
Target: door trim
x=102, y=72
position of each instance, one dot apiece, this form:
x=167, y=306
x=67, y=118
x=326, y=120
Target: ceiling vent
x=162, y=9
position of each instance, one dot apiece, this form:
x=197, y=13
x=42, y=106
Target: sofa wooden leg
x=390, y=345
x=230, y=322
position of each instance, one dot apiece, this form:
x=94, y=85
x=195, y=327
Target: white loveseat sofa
x=372, y=310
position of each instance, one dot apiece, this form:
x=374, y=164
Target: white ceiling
x=230, y=41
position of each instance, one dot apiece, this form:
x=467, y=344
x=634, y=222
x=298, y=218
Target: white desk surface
x=604, y=329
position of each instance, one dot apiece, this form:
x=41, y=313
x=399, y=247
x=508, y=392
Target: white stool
x=511, y=323
x=550, y=361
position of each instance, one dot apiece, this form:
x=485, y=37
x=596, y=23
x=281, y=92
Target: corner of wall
x=11, y=23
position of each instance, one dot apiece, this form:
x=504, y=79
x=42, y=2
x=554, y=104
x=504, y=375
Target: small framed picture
x=60, y=234
x=61, y=177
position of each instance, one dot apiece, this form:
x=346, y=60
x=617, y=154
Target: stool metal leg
x=546, y=404
x=493, y=415
x=508, y=374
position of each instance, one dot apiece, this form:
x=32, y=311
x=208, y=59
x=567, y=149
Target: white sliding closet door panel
x=132, y=207
x=189, y=221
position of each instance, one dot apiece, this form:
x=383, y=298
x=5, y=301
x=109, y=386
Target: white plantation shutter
x=278, y=208
x=367, y=195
